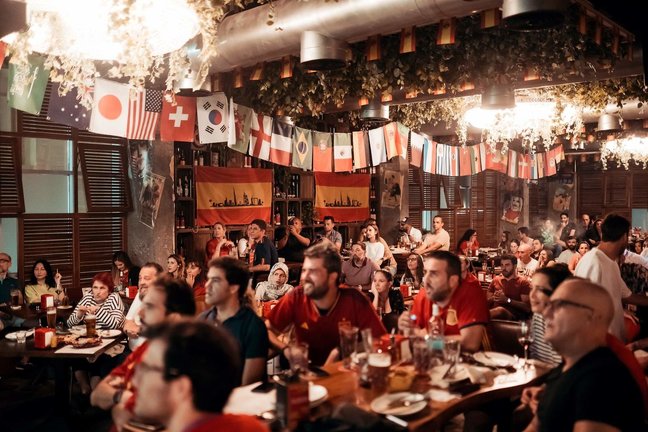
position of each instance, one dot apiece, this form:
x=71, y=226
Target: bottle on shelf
x=185, y=189
x=179, y=189
x=195, y=157
x=201, y=158
x=181, y=158
x=181, y=248
x=181, y=220
x=277, y=216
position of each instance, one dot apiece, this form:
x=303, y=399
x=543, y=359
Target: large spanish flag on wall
x=343, y=196
x=232, y=195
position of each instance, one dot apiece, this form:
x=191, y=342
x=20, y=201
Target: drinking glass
x=91, y=325
x=420, y=355
x=348, y=342
x=15, y=299
x=525, y=338
x=297, y=355
x=51, y=317
x=379, y=363
x=452, y=352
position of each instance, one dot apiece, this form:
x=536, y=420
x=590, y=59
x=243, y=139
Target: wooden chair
x=503, y=337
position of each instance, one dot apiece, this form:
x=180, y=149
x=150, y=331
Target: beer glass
x=91, y=325
x=15, y=299
x=348, y=343
x=379, y=363
x=51, y=317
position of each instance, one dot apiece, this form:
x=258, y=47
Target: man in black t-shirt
x=293, y=244
x=264, y=253
x=592, y=390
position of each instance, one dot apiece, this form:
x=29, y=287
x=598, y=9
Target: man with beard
x=462, y=305
x=566, y=255
x=358, y=271
x=316, y=307
x=166, y=300
x=509, y=293
x=148, y=274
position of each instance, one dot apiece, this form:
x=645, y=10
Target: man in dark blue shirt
x=265, y=252
x=7, y=283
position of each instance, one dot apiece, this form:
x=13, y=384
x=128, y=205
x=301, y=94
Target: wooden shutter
x=640, y=190
x=11, y=191
x=590, y=191
x=99, y=237
x=616, y=189
x=105, y=176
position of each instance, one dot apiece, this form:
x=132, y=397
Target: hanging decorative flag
x=342, y=152
x=538, y=161
x=429, y=156
x=260, y=136
x=403, y=136
x=110, y=108
x=373, y=48
x=3, y=52
x=281, y=143
x=26, y=92
x=513, y=165
x=232, y=196
x=465, y=162
x=302, y=155
x=392, y=140
x=67, y=110
x=257, y=72
x=442, y=159
x=213, y=115
x=361, y=154
x=286, y=67
x=495, y=160
x=143, y=114
x=377, y=146
x=178, y=121
x=524, y=168
x=475, y=159
x=343, y=196
x=447, y=31
x=491, y=18
x=454, y=160
x=417, y=148
x=238, y=78
x=408, y=40
x=322, y=152
x=551, y=167
x=240, y=121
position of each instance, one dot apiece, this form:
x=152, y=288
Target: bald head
x=589, y=294
x=524, y=248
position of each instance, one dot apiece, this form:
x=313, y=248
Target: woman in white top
x=375, y=249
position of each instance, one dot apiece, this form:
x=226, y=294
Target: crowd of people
x=195, y=329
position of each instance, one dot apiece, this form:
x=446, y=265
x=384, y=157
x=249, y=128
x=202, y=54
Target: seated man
x=567, y=254
x=166, y=300
x=592, y=390
x=437, y=240
x=148, y=274
x=526, y=265
x=293, y=244
x=317, y=306
x=186, y=377
x=508, y=293
x=263, y=253
x=330, y=233
x=358, y=271
x=462, y=305
x=226, y=293
x=408, y=234
x=8, y=284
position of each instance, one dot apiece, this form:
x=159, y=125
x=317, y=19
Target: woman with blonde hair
x=176, y=266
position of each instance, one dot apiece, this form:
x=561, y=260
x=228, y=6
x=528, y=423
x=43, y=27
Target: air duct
x=189, y=82
x=374, y=111
x=498, y=97
x=319, y=52
x=608, y=123
x=531, y=15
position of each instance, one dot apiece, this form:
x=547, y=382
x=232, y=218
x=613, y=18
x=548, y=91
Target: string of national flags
x=117, y=112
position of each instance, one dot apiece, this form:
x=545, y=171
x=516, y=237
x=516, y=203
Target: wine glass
x=525, y=338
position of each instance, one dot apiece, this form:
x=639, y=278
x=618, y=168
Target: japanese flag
x=110, y=108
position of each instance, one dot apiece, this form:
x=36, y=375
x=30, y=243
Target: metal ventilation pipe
x=530, y=15
x=245, y=38
x=374, y=111
x=319, y=52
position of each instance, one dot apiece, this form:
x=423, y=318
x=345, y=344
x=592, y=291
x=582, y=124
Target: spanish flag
x=491, y=18
x=447, y=31
x=286, y=67
x=233, y=196
x=238, y=78
x=373, y=48
x=408, y=40
x=343, y=196
x=257, y=72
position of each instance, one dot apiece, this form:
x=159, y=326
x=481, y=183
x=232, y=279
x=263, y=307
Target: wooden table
x=343, y=387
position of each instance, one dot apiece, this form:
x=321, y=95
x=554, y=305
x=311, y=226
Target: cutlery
x=406, y=401
x=447, y=374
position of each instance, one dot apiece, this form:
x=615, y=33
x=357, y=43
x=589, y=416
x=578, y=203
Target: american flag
x=143, y=113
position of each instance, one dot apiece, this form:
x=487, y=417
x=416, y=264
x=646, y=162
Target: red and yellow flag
x=373, y=48
x=238, y=78
x=232, y=195
x=257, y=72
x=343, y=196
x=408, y=40
x=447, y=31
x=286, y=67
x=491, y=18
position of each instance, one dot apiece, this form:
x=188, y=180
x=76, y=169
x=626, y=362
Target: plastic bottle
x=436, y=335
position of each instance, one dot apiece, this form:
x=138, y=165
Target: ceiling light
x=374, y=111
x=531, y=15
x=609, y=123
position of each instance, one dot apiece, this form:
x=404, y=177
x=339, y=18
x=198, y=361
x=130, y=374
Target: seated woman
x=108, y=309
x=175, y=266
x=546, y=258
x=378, y=250
x=414, y=271
x=275, y=287
x=583, y=248
x=219, y=245
x=468, y=244
x=357, y=271
x=196, y=280
x=514, y=246
x=388, y=302
x=124, y=273
x=43, y=281
x=503, y=245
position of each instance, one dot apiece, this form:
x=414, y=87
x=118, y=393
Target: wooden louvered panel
x=105, y=175
x=462, y=223
x=639, y=190
x=430, y=191
x=590, y=191
x=90, y=137
x=489, y=235
x=39, y=126
x=99, y=238
x=11, y=192
x=617, y=186
x=51, y=238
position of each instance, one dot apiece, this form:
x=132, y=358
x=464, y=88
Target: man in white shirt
x=148, y=274
x=600, y=266
x=438, y=240
x=409, y=234
x=526, y=265
x=566, y=255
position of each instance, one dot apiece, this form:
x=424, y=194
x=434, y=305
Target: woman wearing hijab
x=275, y=287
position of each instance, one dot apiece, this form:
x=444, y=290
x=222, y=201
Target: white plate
x=12, y=336
x=64, y=307
x=495, y=359
x=79, y=330
x=111, y=333
x=381, y=404
x=317, y=394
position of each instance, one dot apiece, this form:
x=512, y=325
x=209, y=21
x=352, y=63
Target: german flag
x=343, y=196
x=491, y=18
x=373, y=48
x=408, y=40
x=233, y=196
x=447, y=31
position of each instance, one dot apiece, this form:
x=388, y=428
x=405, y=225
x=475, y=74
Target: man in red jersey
x=186, y=376
x=317, y=306
x=462, y=302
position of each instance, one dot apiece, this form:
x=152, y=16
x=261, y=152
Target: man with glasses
x=166, y=300
x=8, y=284
x=592, y=390
x=186, y=377
x=263, y=253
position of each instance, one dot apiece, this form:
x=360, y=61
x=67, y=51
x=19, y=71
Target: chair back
x=503, y=337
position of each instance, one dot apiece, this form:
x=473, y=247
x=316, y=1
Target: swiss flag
x=178, y=121
x=110, y=110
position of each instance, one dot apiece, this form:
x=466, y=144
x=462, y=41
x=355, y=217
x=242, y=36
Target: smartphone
x=264, y=387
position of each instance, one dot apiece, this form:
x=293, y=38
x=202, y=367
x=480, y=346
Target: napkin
x=476, y=374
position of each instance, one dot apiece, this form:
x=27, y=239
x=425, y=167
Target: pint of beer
x=51, y=317
x=91, y=325
x=379, y=363
x=15, y=299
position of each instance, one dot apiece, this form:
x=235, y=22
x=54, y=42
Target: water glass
x=452, y=351
x=421, y=355
x=297, y=355
x=348, y=343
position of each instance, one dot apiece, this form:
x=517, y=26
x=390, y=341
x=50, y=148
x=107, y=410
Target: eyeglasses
x=560, y=303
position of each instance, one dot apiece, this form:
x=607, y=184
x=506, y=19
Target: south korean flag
x=212, y=118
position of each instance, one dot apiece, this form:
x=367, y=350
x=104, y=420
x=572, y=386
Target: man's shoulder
x=242, y=423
